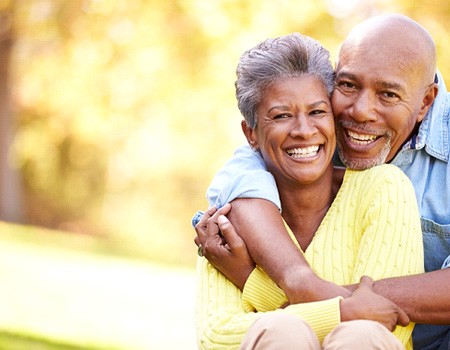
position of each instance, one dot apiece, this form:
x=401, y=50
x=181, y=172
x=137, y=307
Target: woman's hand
x=366, y=304
x=221, y=245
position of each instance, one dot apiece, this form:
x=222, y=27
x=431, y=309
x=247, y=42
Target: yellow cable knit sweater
x=372, y=228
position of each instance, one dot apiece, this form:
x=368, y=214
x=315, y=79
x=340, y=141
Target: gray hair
x=290, y=55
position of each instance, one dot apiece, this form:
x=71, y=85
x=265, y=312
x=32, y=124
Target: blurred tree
x=125, y=109
x=10, y=185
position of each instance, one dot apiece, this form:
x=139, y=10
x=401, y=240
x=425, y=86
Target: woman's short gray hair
x=290, y=55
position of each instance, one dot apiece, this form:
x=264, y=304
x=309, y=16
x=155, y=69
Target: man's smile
x=362, y=139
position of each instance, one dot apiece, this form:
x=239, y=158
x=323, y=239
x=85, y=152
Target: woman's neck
x=304, y=207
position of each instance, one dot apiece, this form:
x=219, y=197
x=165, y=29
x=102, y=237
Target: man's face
x=377, y=104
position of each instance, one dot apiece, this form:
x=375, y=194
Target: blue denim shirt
x=424, y=159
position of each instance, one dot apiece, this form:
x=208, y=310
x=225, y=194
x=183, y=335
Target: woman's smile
x=295, y=129
x=303, y=152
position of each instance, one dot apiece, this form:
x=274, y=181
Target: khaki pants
x=286, y=332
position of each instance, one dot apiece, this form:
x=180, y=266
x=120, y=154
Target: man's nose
x=363, y=108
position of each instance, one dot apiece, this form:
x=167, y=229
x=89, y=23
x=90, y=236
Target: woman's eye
x=281, y=116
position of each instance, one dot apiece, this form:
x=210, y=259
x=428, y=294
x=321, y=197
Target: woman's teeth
x=303, y=152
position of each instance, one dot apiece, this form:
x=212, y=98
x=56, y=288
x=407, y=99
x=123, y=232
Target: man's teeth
x=361, y=138
x=303, y=152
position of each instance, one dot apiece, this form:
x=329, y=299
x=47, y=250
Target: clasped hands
x=220, y=244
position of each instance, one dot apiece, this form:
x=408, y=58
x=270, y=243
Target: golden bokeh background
x=115, y=114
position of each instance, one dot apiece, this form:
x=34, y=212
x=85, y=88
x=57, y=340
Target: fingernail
x=222, y=219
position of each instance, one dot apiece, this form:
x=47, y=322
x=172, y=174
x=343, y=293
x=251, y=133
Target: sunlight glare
x=341, y=8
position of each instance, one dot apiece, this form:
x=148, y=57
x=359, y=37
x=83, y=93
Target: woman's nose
x=302, y=127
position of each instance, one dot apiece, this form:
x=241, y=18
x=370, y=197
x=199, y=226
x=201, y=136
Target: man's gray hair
x=290, y=55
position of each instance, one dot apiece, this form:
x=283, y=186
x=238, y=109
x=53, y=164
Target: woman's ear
x=250, y=134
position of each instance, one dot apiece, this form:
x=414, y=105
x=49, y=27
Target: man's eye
x=318, y=112
x=390, y=95
x=346, y=86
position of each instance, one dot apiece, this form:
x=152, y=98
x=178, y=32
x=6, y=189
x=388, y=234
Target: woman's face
x=295, y=129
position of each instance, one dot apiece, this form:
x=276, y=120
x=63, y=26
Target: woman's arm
x=222, y=322
x=245, y=181
x=262, y=232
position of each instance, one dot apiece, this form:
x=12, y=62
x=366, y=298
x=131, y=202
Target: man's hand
x=223, y=248
x=366, y=304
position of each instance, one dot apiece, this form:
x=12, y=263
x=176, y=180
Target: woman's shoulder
x=377, y=171
x=380, y=174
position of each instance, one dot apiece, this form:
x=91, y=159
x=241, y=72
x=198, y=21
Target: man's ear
x=427, y=101
x=250, y=135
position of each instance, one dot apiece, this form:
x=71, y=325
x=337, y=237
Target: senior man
x=391, y=106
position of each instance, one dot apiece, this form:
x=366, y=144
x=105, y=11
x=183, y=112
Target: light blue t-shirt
x=424, y=159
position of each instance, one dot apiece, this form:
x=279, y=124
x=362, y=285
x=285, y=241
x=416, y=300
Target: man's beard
x=360, y=163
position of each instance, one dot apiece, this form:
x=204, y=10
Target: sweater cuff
x=261, y=293
x=323, y=316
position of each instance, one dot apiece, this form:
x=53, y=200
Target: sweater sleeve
x=391, y=242
x=261, y=293
x=222, y=322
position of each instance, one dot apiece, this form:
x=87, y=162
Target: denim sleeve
x=243, y=176
x=446, y=263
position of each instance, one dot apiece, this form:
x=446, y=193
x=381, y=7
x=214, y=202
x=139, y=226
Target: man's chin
x=360, y=163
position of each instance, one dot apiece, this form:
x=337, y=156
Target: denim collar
x=434, y=130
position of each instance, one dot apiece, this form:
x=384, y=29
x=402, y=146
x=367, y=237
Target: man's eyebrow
x=391, y=86
x=341, y=74
x=380, y=84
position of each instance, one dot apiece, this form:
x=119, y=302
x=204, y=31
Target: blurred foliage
x=125, y=108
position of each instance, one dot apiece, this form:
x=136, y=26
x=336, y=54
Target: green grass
x=15, y=341
x=66, y=293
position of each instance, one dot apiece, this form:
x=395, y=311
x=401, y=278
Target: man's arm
x=424, y=297
x=259, y=223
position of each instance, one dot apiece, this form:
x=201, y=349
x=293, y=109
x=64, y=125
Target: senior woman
x=348, y=223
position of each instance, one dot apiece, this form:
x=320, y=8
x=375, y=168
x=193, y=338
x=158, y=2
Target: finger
x=200, y=230
x=403, y=319
x=211, y=210
x=201, y=226
x=212, y=228
x=366, y=281
x=222, y=211
x=225, y=209
x=212, y=225
x=206, y=215
x=213, y=244
x=228, y=232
